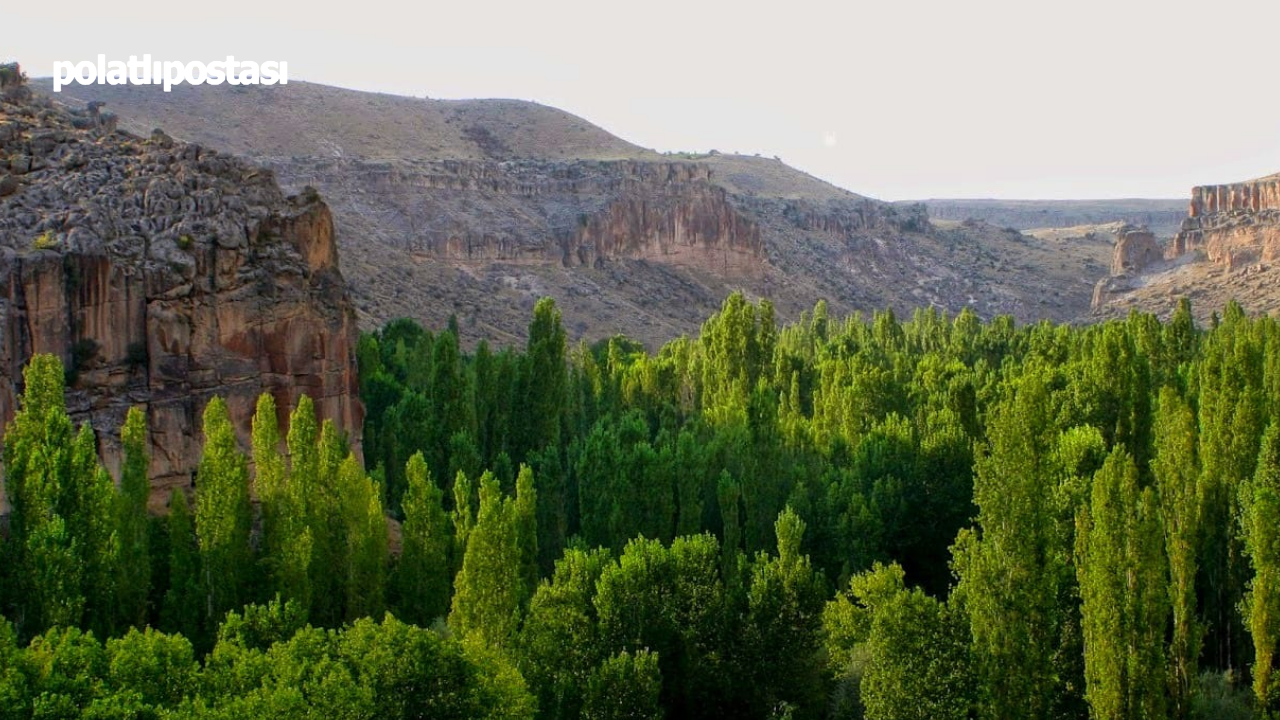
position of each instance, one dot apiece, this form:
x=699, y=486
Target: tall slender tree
x=132, y=525
x=223, y=515
x=1176, y=468
x=421, y=581
x=1260, y=527
x=1123, y=589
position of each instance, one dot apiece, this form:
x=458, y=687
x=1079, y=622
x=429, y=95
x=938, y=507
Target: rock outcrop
x=163, y=274
x=475, y=208
x=1234, y=225
x=1136, y=250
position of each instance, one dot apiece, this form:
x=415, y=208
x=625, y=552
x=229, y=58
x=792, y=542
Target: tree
x=132, y=529
x=784, y=617
x=183, y=611
x=421, y=581
x=913, y=650
x=222, y=515
x=559, y=643
x=365, y=542
x=625, y=687
x=1123, y=590
x=1177, y=469
x=1009, y=571
x=61, y=545
x=489, y=590
x=1259, y=520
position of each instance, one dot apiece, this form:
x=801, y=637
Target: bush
x=185, y=242
x=44, y=241
x=1221, y=696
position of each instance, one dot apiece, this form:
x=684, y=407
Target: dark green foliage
x=1041, y=521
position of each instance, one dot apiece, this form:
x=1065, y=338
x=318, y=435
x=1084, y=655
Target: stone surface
x=164, y=274
x=1136, y=249
x=475, y=208
x=1225, y=251
x=1234, y=225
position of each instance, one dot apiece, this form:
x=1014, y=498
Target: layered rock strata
x=163, y=274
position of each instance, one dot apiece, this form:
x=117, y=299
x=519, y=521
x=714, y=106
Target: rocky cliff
x=1235, y=225
x=1225, y=250
x=475, y=208
x=163, y=273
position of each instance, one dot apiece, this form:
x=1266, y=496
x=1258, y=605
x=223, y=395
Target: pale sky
x=897, y=99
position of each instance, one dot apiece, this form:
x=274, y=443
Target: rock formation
x=475, y=208
x=1235, y=225
x=164, y=273
x=1136, y=249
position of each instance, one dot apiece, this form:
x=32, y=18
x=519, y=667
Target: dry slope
x=477, y=207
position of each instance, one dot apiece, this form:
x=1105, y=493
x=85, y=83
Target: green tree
x=1009, y=572
x=625, y=687
x=489, y=590
x=365, y=542
x=132, y=528
x=1123, y=590
x=1259, y=521
x=222, y=515
x=183, y=611
x=421, y=581
x=559, y=643
x=913, y=650
x=783, y=623
x=1177, y=469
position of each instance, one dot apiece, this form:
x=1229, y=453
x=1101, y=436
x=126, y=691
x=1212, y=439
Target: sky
x=896, y=99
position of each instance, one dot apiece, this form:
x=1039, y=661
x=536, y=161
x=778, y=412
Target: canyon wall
x=164, y=274
x=568, y=213
x=1234, y=225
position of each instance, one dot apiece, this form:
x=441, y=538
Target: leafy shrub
x=44, y=241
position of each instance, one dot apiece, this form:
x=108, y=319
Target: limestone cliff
x=164, y=273
x=1236, y=225
x=475, y=208
x=1225, y=250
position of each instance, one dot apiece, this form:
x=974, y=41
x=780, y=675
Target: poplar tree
x=1260, y=528
x=421, y=581
x=365, y=546
x=1009, y=572
x=286, y=539
x=1176, y=468
x=183, y=610
x=61, y=544
x=222, y=515
x=1123, y=591
x=488, y=592
x=133, y=530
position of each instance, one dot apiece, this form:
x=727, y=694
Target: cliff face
x=1235, y=225
x=573, y=214
x=164, y=274
x=476, y=208
x=1224, y=251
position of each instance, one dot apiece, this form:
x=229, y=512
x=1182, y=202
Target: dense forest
x=844, y=518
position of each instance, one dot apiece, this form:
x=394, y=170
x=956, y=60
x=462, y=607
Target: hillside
x=1162, y=216
x=475, y=208
x=1226, y=250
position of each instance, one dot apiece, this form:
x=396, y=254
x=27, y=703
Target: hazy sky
x=895, y=99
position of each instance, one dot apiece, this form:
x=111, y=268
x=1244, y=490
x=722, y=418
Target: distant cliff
x=163, y=273
x=1235, y=225
x=475, y=208
x=1226, y=249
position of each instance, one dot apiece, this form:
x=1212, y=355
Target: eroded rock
x=164, y=274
